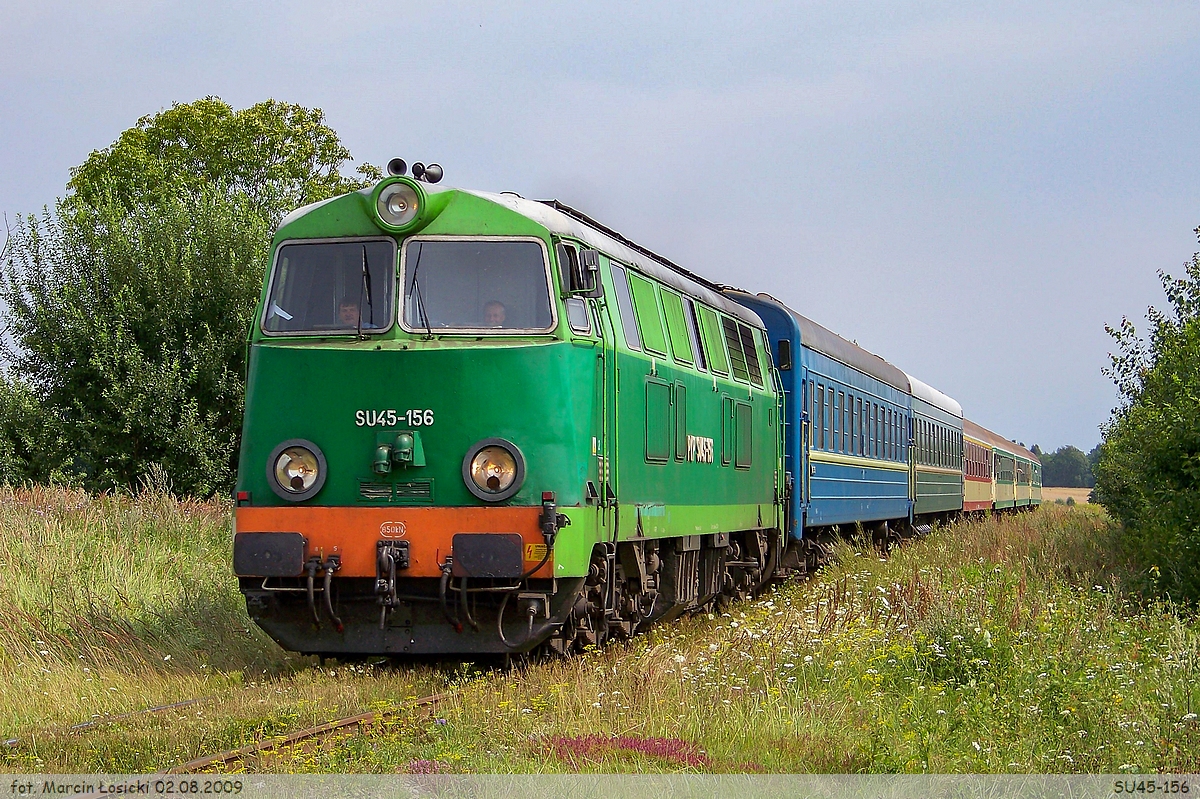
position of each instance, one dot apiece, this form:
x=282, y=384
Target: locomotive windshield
x=476, y=285
x=332, y=287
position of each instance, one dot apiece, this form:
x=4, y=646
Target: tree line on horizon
x=126, y=308
x=1068, y=466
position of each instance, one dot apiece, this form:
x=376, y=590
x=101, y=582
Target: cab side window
x=693, y=326
x=645, y=303
x=714, y=347
x=633, y=339
x=577, y=315
x=681, y=342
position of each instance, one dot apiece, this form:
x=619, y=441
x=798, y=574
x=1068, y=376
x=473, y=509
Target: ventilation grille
x=416, y=492
x=375, y=491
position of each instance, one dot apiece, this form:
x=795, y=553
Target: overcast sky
x=971, y=190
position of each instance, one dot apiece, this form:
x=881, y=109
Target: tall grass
x=1009, y=645
x=1000, y=646
x=113, y=602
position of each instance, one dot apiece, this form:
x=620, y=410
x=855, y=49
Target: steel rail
x=240, y=753
x=86, y=725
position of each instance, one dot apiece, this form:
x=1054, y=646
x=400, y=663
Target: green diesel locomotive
x=477, y=423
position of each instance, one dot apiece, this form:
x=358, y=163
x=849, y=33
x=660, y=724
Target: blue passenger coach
x=846, y=425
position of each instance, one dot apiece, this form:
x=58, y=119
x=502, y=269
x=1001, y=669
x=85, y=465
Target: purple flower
x=423, y=767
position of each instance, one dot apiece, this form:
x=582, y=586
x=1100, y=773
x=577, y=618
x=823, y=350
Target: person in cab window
x=493, y=314
x=348, y=313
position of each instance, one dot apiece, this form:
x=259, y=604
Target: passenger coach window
x=476, y=285
x=885, y=432
x=855, y=423
x=845, y=442
x=814, y=418
x=329, y=287
x=877, y=431
x=625, y=306
x=821, y=413
x=860, y=446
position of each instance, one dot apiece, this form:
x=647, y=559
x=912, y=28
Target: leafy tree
x=1148, y=473
x=128, y=305
x=1067, y=467
x=279, y=156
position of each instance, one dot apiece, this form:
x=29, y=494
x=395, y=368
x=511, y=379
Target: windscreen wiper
x=365, y=288
x=420, y=301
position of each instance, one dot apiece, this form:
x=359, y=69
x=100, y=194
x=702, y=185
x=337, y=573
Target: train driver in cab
x=348, y=314
x=494, y=314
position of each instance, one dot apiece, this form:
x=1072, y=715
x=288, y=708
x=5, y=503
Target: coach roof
x=826, y=342
x=937, y=399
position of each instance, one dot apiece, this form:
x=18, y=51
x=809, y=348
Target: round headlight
x=493, y=469
x=398, y=204
x=296, y=469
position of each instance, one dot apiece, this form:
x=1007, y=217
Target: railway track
x=87, y=725
x=301, y=736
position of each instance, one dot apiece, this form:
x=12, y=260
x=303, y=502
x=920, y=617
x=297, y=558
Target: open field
x=1051, y=495
x=1000, y=646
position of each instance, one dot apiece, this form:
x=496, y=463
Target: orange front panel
x=352, y=533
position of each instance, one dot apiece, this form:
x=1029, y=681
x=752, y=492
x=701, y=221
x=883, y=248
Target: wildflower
x=423, y=767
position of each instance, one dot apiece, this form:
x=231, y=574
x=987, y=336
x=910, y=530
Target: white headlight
x=398, y=204
x=493, y=469
x=296, y=470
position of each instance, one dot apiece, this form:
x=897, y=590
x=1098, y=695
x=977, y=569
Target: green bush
x=131, y=326
x=128, y=305
x=1148, y=474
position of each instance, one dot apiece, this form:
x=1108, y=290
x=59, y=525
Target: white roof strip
x=934, y=397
